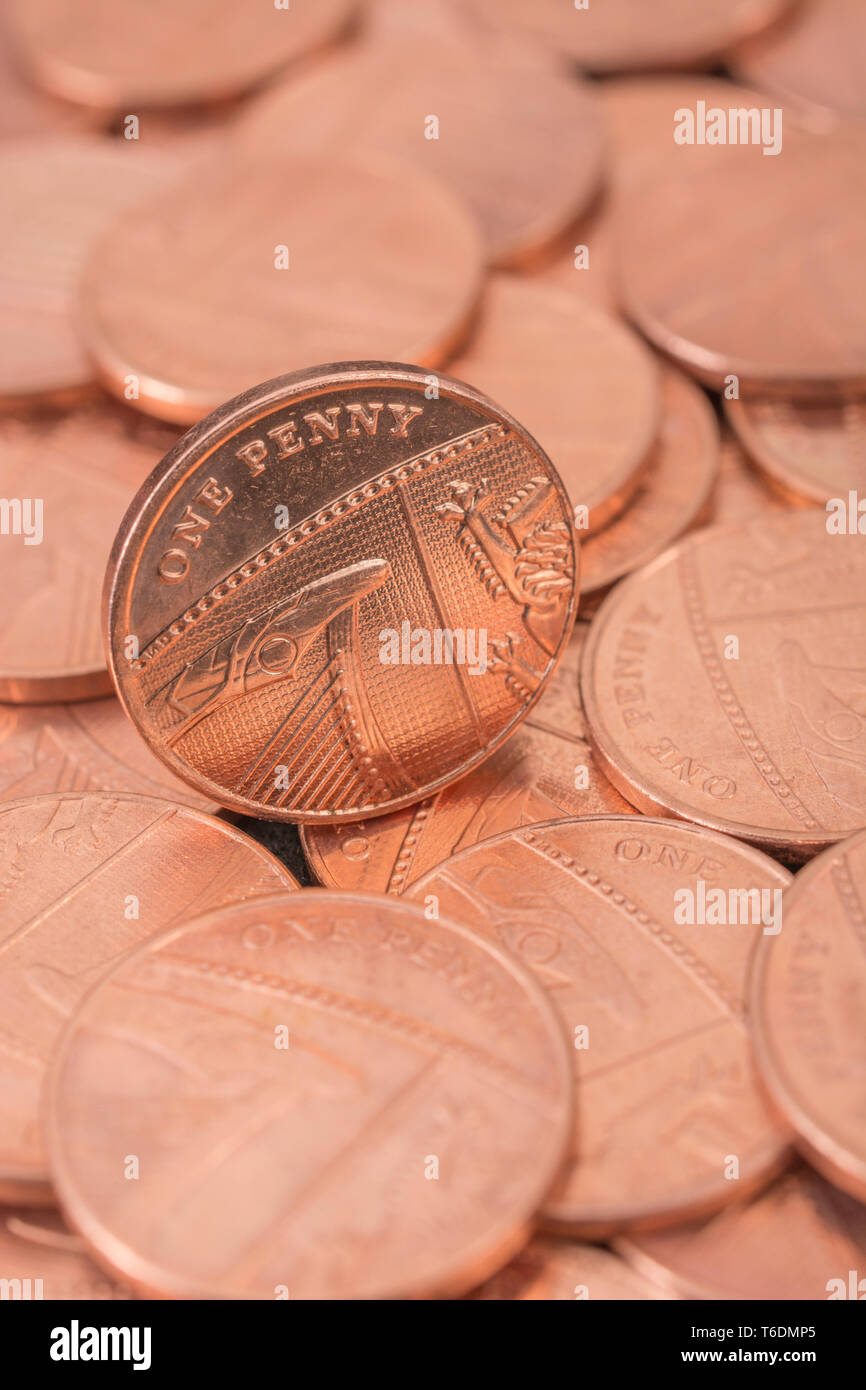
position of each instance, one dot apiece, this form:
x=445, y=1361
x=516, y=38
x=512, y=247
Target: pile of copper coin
x=433, y=649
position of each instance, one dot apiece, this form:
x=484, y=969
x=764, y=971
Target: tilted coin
x=809, y=1007
x=723, y=684
x=58, y=197
x=584, y=385
x=550, y=1270
x=341, y=591
x=815, y=450
x=801, y=1239
x=40, y=1258
x=84, y=747
x=328, y=1095
x=168, y=52
x=672, y=494
x=83, y=878
x=815, y=60
x=546, y=770
x=84, y=467
x=513, y=136
x=770, y=325
x=742, y=493
x=619, y=918
x=274, y=266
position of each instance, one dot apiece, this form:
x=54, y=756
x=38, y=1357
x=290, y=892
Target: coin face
x=85, y=467
x=172, y=52
x=83, y=878
x=40, y=1258
x=632, y=34
x=344, y=590
x=798, y=1240
x=763, y=324
x=545, y=771
x=815, y=61
x=273, y=266
x=761, y=734
x=813, y=449
x=89, y=746
x=557, y=1270
x=396, y=1144
x=809, y=1006
x=607, y=913
x=486, y=118
x=672, y=493
x=559, y=363
x=58, y=197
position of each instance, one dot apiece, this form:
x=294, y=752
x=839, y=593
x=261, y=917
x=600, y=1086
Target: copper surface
x=741, y=493
x=772, y=324
x=546, y=770
x=557, y=1270
x=518, y=140
x=799, y=1239
x=809, y=1005
x=38, y=1250
x=83, y=878
x=666, y=1089
x=814, y=450
x=616, y=35
x=59, y=195
x=275, y=266
x=581, y=382
x=720, y=683
x=168, y=51
x=307, y=1167
x=79, y=471
x=672, y=494
x=24, y=109
x=815, y=60
x=260, y=676
x=89, y=746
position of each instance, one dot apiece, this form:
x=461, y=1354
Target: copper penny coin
x=815, y=60
x=584, y=385
x=168, y=52
x=672, y=494
x=58, y=196
x=273, y=266
x=809, y=1006
x=741, y=492
x=513, y=136
x=396, y=1144
x=345, y=589
x=83, y=878
x=666, y=1092
x=769, y=324
x=815, y=450
x=585, y=264
x=720, y=683
x=623, y=34
x=89, y=746
x=545, y=771
x=24, y=109
x=84, y=467
x=557, y=1270
x=801, y=1239
x=40, y=1258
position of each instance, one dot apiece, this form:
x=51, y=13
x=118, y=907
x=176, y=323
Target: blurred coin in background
x=815, y=450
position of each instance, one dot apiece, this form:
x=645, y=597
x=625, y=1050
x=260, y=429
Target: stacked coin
x=433, y=785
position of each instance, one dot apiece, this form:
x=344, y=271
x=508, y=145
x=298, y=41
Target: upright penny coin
x=306, y=1167
x=172, y=51
x=545, y=770
x=68, y=479
x=84, y=747
x=585, y=386
x=815, y=450
x=513, y=136
x=58, y=197
x=770, y=325
x=672, y=494
x=651, y=994
x=761, y=734
x=83, y=878
x=809, y=1004
x=625, y=34
x=815, y=61
x=346, y=592
x=271, y=267
x=40, y=1258
x=559, y=1270
x=798, y=1240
